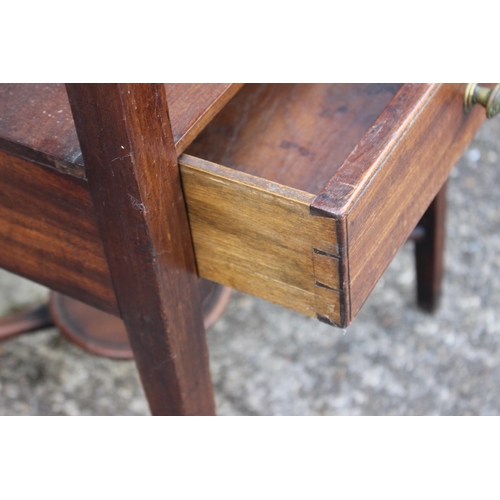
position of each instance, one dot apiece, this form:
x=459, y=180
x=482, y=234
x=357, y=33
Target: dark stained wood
x=36, y=124
x=36, y=121
x=48, y=232
x=429, y=253
x=295, y=134
x=103, y=334
x=97, y=331
x=375, y=197
x=325, y=184
x=193, y=105
x=27, y=320
x=418, y=234
x=134, y=181
x=360, y=166
x=383, y=188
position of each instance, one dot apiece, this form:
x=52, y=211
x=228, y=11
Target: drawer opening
x=297, y=135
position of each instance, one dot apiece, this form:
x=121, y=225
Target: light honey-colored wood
x=328, y=305
x=326, y=268
x=258, y=237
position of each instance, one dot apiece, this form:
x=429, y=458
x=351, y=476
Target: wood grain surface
x=275, y=250
x=193, y=105
x=389, y=180
x=375, y=163
x=48, y=232
x=36, y=121
x=134, y=182
x=258, y=237
x=297, y=135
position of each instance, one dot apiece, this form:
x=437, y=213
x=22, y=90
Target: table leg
x=134, y=180
x=429, y=253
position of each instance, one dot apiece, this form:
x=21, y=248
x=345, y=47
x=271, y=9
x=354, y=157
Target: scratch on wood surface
x=122, y=157
x=348, y=184
x=157, y=367
x=137, y=204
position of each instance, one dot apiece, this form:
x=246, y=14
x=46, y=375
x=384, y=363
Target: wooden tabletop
x=36, y=121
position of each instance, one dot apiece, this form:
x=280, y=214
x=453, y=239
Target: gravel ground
x=265, y=360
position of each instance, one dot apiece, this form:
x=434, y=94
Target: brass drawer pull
x=489, y=98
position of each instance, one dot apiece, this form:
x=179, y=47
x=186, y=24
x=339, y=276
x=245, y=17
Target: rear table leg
x=429, y=253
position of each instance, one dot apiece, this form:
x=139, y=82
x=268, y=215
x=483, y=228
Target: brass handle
x=489, y=98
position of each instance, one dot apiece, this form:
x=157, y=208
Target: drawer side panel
x=259, y=237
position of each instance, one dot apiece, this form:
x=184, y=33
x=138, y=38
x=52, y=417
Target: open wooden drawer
x=300, y=194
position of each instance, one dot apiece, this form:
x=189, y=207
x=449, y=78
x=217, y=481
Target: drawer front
x=389, y=180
